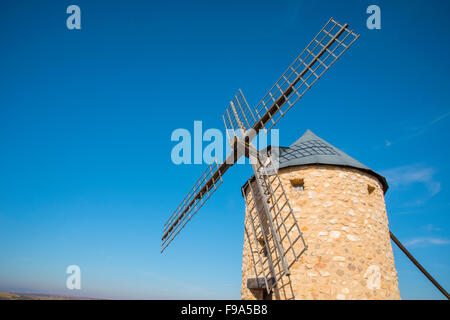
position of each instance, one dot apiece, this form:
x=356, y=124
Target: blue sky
x=86, y=117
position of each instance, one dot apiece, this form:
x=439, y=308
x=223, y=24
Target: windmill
x=244, y=124
x=272, y=233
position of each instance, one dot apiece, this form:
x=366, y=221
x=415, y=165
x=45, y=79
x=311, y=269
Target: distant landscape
x=36, y=296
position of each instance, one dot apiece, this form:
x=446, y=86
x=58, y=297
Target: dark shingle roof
x=310, y=149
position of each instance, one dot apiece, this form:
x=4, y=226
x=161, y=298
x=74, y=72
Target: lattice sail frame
x=287, y=228
x=273, y=234
x=192, y=202
x=270, y=212
x=322, y=52
x=246, y=117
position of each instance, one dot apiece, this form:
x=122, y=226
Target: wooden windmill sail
x=271, y=224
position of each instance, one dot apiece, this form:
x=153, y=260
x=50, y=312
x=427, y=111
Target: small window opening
x=298, y=185
x=262, y=244
x=370, y=189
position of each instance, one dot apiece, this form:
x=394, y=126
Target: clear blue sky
x=86, y=117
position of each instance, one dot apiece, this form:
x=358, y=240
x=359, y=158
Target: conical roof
x=310, y=149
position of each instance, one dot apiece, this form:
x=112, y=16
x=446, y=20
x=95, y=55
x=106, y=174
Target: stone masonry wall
x=342, y=215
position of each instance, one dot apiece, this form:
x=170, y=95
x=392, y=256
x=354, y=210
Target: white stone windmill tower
x=313, y=230
x=339, y=205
